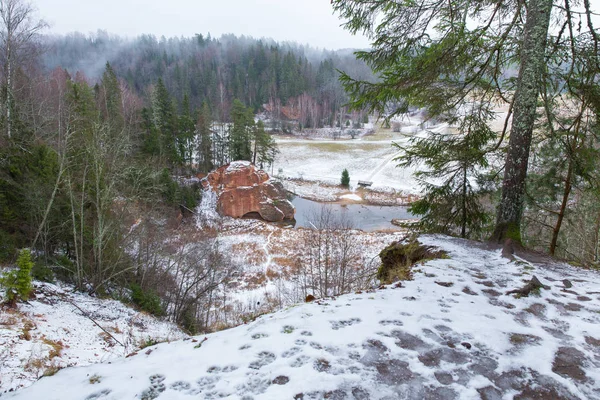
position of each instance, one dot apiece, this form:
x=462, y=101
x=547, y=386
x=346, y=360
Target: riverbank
x=329, y=192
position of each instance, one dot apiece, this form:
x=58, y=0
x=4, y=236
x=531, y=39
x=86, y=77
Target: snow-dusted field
x=369, y=158
x=50, y=332
x=451, y=333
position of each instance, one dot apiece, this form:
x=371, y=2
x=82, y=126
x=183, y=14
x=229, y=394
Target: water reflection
x=360, y=216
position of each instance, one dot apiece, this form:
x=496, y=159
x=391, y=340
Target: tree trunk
x=463, y=231
x=563, y=208
x=510, y=210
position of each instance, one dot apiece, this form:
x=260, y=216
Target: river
x=360, y=216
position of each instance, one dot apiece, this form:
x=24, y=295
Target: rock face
x=241, y=189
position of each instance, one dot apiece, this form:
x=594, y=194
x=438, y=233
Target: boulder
x=241, y=189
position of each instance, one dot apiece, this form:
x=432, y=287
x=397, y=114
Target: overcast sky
x=304, y=21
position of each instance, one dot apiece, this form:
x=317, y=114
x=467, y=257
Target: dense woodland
x=217, y=71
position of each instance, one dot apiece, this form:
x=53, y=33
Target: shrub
x=345, y=178
x=65, y=269
x=18, y=282
x=41, y=272
x=148, y=342
x=7, y=247
x=189, y=196
x=169, y=187
x=398, y=258
x=147, y=300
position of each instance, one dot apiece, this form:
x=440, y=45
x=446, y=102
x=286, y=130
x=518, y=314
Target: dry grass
x=8, y=320
x=107, y=339
x=57, y=347
x=253, y=253
x=34, y=364
x=51, y=370
x=286, y=262
x=255, y=280
x=28, y=326
x=272, y=274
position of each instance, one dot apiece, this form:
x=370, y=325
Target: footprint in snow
x=291, y=352
x=288, y=329
x=394, y=322
x=335, y=325
x=264, y=358
x=300, y=361
x=208, y=382
x=281, y=380
x=156, y=388
x=181, y=386
x=254, y=385
x=322, y=365
x=98, y=395
x=259, y=336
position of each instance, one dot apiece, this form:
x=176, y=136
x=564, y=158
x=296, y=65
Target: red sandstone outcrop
x=241, y=189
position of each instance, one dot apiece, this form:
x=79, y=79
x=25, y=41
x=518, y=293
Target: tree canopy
x=460, y=59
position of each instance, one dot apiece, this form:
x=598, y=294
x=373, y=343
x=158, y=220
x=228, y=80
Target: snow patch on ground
x=52, y=332
x=451, y=333
x=354, y=197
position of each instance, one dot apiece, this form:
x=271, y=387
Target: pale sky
x=304, y=21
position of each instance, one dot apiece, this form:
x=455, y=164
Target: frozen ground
x=368, y=158
x=332, y=192
x=52, y=332
x=451, y=333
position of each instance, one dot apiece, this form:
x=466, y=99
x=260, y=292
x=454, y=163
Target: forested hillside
x=216, y=71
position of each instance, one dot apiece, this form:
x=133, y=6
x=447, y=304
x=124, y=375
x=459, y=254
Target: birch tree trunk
x=17, y=32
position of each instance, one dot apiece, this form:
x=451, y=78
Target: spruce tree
x=265, y=148
x=164, y=118
x=452, y=173
x=345, y=181
x=205, y=141
x=18, y=283
x=240, y=134
x=110, y=100
x=186, y=133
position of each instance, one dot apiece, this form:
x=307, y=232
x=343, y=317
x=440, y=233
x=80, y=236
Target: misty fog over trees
x=216, y=71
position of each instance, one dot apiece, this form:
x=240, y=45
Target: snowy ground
x=268, y=253
x=50, y=332
x=332, y=192
x=369, y=158
x=451, y=333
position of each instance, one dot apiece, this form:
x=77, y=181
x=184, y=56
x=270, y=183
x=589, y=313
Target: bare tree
x=333, y=263
x=17, y=39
